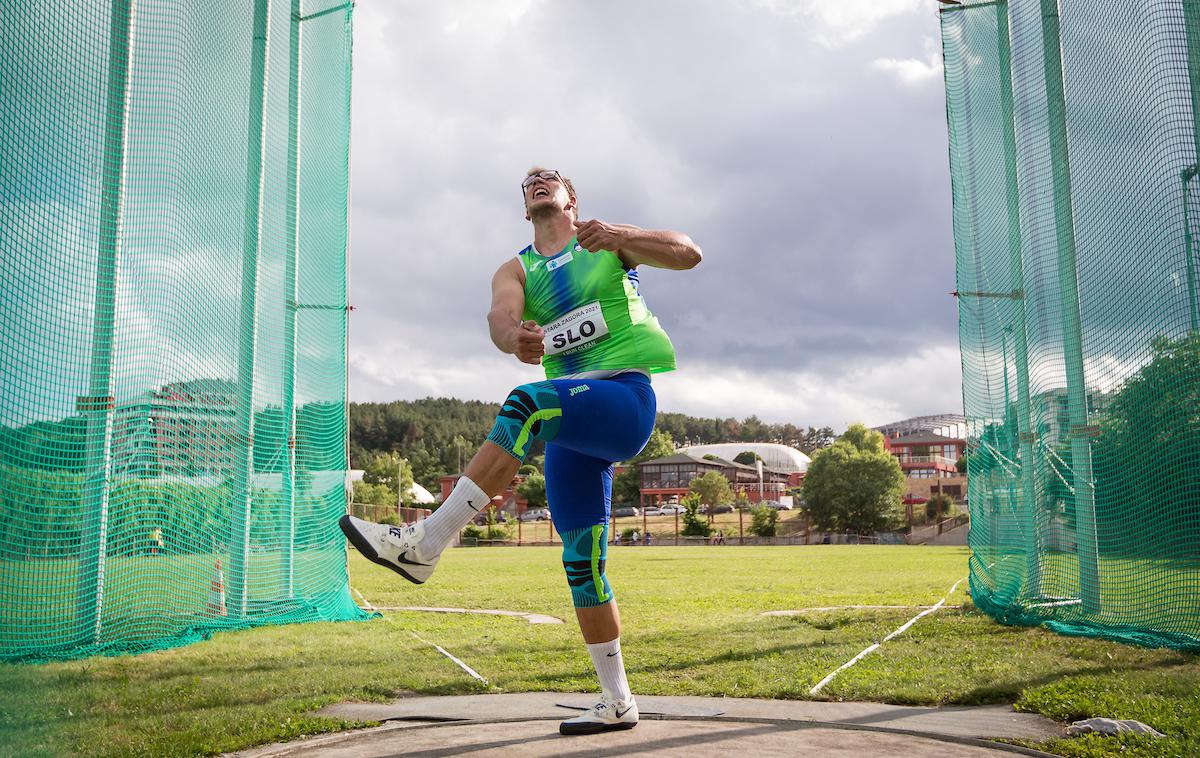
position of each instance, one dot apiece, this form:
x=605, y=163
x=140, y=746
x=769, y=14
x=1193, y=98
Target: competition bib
x=576, y=331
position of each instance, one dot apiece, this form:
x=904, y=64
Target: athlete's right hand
x=527, y=344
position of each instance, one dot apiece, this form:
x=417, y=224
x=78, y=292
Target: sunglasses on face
x=543, y=175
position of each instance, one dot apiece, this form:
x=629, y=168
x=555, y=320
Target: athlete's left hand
x=596, y=235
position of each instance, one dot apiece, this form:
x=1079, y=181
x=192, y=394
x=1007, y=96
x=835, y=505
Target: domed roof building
x=774, y=455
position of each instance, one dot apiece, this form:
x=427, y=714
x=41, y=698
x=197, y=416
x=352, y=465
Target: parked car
x=671, y=510
x=621, y=511
x=481, y=518
x=777, y=505
x=726, y=508
x=653, y=510
x=535, y=514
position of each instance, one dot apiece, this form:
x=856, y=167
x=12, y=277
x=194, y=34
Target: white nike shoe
x=607, y=715
x=396, y=547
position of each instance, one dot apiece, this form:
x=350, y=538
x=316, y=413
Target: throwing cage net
x=173, y=315
x=1074, y=144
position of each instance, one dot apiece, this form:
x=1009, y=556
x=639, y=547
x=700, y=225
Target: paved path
x=526, y=724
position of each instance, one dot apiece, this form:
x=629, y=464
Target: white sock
x=451, y=516
x=606, y=657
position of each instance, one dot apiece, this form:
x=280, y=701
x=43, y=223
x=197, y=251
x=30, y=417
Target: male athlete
x=569, y=302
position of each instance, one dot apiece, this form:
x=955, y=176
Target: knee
x=584, y=554
x=531, y=411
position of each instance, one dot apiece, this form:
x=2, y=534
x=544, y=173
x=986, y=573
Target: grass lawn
x=692, y=626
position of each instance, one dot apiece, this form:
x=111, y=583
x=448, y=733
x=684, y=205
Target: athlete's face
x=545, y=192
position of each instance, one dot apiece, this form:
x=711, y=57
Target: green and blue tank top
x=593, y=315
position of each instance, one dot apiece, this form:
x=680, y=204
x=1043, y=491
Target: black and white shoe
x=607, y=715
x=396, y=547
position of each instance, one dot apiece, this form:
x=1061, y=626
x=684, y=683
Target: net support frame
x=291, y=287
x=1068, y=279
x=1191, y=21
x=99, y=406
x=1029, y=493
x=243, y=490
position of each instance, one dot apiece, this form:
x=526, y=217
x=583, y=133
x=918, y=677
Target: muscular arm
x=636, y=246
x=509, y=333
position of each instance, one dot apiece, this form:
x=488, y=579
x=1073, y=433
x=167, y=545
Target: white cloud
x=914, y=71
x=872, y=392
x=910, y=70
x=837, y=23
x=748, y=124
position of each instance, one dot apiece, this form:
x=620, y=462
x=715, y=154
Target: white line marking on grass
x=879, y=644
x=533, y=618
x=418, y=637
x=827, y=608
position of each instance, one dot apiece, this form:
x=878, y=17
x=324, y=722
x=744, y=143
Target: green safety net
x=1074, y=133
x=173, y=320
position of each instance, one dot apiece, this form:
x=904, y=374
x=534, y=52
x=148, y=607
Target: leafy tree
x=694, y=524
x=940, y=505
x=660, y=444
x=747, y=457
x=711, y=457
x=627, y=486
x=528, y=469
x=380, y=468
x=712, y=488
x=533, y=489
x=764, y=521
x=1145, y=458
x=405, y=474
x=854, y=485
x=374, y=494
x=495, y=530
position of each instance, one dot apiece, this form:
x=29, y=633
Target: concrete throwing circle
x=694, y=738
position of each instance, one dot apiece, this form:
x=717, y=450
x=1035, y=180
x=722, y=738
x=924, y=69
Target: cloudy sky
x=802, y=144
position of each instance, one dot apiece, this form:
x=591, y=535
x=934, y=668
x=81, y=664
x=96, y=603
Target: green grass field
x=693, y=625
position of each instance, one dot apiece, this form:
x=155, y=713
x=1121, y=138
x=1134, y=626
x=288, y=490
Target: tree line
x=438, y=436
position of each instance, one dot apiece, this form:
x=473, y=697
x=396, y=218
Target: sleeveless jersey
x=593, y=315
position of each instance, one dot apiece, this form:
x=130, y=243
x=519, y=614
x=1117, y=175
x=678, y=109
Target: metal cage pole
x=291, y=291
x=1025, y=434
x=1079, y=432
x=243, y=491
x=99, y=404
x=1191, y=18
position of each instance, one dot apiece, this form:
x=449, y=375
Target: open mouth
x=541, y=192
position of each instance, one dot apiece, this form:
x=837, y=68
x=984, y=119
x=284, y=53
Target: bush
x=694, y=525
x=471, y=535
x=939, y=503
x=764, y=521
x=627, y=534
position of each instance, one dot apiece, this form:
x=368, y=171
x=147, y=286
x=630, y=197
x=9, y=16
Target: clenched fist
x=527, y=343
x=596, y=235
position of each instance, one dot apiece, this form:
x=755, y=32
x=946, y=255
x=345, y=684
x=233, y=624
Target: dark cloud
x=815, y=179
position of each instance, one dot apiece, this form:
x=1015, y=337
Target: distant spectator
x=646, y=539
x=636, y=538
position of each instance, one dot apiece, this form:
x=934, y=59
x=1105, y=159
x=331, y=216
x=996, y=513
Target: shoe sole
x=368, y=552
x=574, y=730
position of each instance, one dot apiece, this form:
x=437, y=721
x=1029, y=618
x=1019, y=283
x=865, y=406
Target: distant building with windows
x=666, y=479
x=927, y=449
x=183, y=429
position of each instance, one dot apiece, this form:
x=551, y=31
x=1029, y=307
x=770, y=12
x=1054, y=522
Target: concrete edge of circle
x=966, y=725
x=283, y=749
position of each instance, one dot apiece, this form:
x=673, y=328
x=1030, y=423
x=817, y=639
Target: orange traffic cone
x=216, y=596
